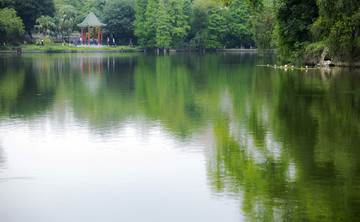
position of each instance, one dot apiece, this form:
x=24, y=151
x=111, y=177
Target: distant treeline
x=296, y=29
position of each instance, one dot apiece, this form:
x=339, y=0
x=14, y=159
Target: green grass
x=57, y=47
x=5, y=48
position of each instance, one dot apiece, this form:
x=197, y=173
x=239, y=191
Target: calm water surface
x=183, y=137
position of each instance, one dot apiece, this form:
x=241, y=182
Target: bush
x=315, y=48
x=46, y=40
x=5, y=47
x=49, y=49
x=312, y=52
x=16, y=43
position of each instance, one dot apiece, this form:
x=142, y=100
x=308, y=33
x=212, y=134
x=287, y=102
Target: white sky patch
x=135, y=172
x=291, y=172
x=273, y=148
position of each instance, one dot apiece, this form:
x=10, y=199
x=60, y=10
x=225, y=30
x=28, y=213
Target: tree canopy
x=119, y=16
x=45, y=25
x=294, y=28
x=11, y=26
x=30, y=10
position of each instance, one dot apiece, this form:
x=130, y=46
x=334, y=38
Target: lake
x=176, y=137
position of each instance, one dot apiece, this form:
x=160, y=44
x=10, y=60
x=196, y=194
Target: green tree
x=200, y=25
x=263, y=29
x=179, y=25
x=84, y=7
x=217, y=29
x=239, y=25
x=11, y=26
x=339, y=25
x=149, y=38
x=45, y=25
x=163, y=27
x=66, y=17
x=119, y=15
x=293, y=21
x=30, y=10
x=255, y=4
x=7, y=3
x=188, y=13
x=139, y=32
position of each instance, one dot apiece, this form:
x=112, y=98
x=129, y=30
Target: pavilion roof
x=91, y=21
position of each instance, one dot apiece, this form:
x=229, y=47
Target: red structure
x=91, y=21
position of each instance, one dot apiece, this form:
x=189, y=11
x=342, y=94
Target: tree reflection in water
x=285, y=143
x=292, y=155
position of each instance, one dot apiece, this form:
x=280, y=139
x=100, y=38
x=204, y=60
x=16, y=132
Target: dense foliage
x=308, y=28
x=339, y=24
x=202, y=24
x=263, y=30
x=45, y=24
x=119, y=15
x=296, y=29
x=30, y=10
x=11, y=26
x=293, y=21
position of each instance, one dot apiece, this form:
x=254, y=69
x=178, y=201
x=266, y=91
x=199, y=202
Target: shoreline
x=59, y=50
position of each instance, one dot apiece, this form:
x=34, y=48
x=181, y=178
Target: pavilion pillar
x=101, y=36
x=81, y=35
x=94, y=35
x=98, y=36
x=89, y=36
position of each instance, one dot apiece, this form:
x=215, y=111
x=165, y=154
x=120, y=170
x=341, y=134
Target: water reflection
x=283, y=144
x=2, y=158
x=90, y=65
x=292, y=154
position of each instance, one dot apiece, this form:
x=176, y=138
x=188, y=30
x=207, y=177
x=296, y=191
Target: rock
x=325, y=58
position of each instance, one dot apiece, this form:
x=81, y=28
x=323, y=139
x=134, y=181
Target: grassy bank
x=72, y=48
x=57, y=47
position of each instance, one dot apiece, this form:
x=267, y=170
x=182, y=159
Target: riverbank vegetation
x=307, y=30
x=57, y=47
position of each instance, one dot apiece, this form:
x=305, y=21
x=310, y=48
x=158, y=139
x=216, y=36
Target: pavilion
x=91, y=21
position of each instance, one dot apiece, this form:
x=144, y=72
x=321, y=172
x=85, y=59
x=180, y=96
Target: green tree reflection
x=165, y=90
x=23, y=94
x=285, y=143
x=291, y=156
